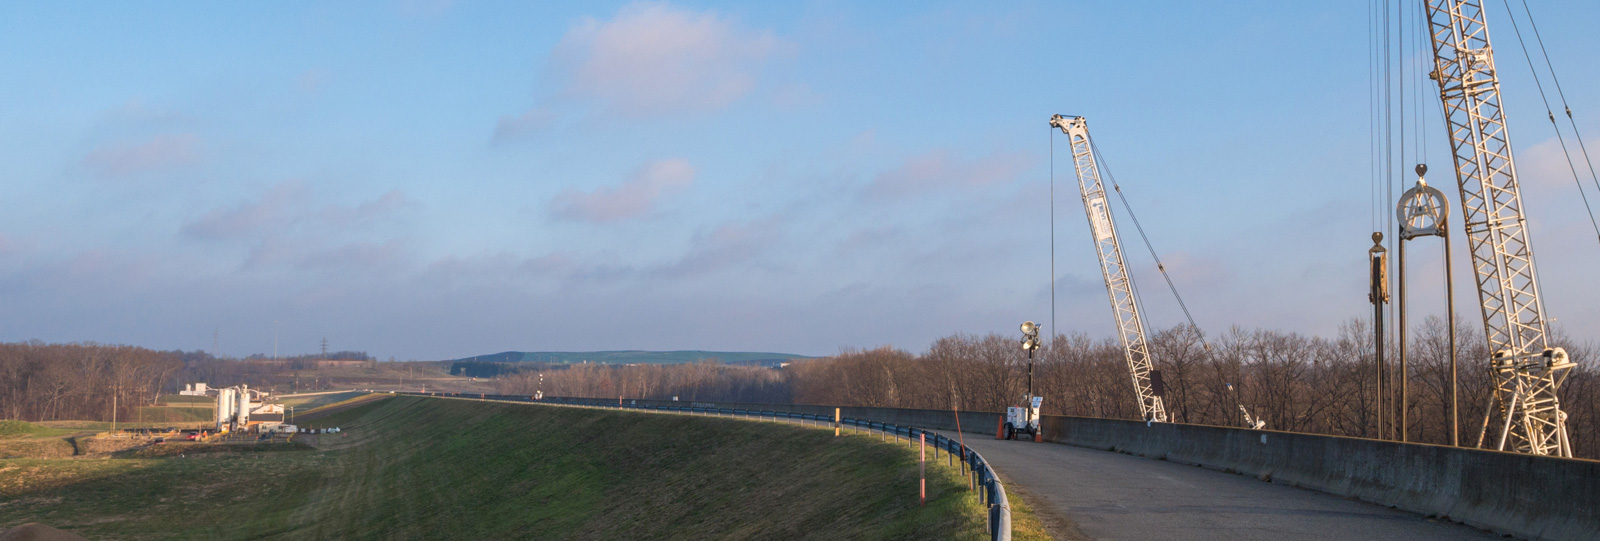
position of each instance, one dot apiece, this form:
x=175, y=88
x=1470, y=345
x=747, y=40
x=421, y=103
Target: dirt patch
x=97, y=446
x=186, y=449
x=34, y=531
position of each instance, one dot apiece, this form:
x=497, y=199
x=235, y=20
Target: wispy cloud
x=654, y=58
x=287, y=227
x=1545, y=164
x=426, y=9
x=726, y=246
x=8, y=246
x=276, y=206
x=941, y=170
x=290, y=206
x=160, y=152
x=636, y=198
x=313, y=80
x=512, y=127
x=358, y=254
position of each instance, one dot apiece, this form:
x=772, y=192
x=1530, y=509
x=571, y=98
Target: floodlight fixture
x=1030, y=342
x=1030, y=338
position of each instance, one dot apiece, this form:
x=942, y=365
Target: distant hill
x=634, y=357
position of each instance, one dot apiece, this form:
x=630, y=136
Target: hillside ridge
x=632, y=356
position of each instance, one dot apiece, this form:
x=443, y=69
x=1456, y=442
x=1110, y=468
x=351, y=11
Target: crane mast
x=1119, y=285
x=1526, y=371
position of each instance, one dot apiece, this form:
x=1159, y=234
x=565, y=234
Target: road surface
x=1096, y=494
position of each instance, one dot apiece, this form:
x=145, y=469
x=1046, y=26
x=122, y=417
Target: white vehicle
x=285, y=429
x=1023, y=420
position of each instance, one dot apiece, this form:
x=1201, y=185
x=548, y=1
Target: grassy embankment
x=425, y=468
x=19, y=439
x=306, y=402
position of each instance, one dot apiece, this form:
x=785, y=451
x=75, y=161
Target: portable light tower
x=1025, y=419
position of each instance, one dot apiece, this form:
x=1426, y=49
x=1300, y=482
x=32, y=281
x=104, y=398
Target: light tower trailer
x=1024, y=419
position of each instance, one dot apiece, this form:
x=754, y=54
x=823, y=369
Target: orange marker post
x=836, y=422
x=923, y=471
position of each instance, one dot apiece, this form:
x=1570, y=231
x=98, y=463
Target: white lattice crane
x=1119, y=285
x=1527, y=372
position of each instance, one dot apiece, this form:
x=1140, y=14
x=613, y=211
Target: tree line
x=89, y=381
x=42, y=382
x=1291, y=381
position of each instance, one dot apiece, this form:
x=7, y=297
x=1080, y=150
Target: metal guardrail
x=992, y=492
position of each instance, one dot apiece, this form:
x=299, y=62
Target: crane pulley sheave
x=1527, y=372
x=1119, y=285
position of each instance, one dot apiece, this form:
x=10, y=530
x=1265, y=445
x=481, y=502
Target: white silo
x=244, y=406
x=225, y=403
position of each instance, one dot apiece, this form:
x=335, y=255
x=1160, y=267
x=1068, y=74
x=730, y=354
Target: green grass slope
x=21, y=429
x=25, y=439
x=416, y=468
x=307, y=402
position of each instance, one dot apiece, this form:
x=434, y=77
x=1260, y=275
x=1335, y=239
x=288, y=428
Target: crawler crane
x=1119, y=285
x=1526, y=370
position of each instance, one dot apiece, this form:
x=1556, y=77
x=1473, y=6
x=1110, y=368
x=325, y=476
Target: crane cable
x=1560, y=93
x=1140, y=228
x=1551, y=115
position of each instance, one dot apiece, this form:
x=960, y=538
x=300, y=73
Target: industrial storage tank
x=243, y=413
x=225, y=404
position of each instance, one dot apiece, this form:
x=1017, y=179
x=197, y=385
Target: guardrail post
x=983, y=482
x=964, y=467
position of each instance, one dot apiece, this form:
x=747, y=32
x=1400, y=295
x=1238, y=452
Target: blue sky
x=436, y=179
